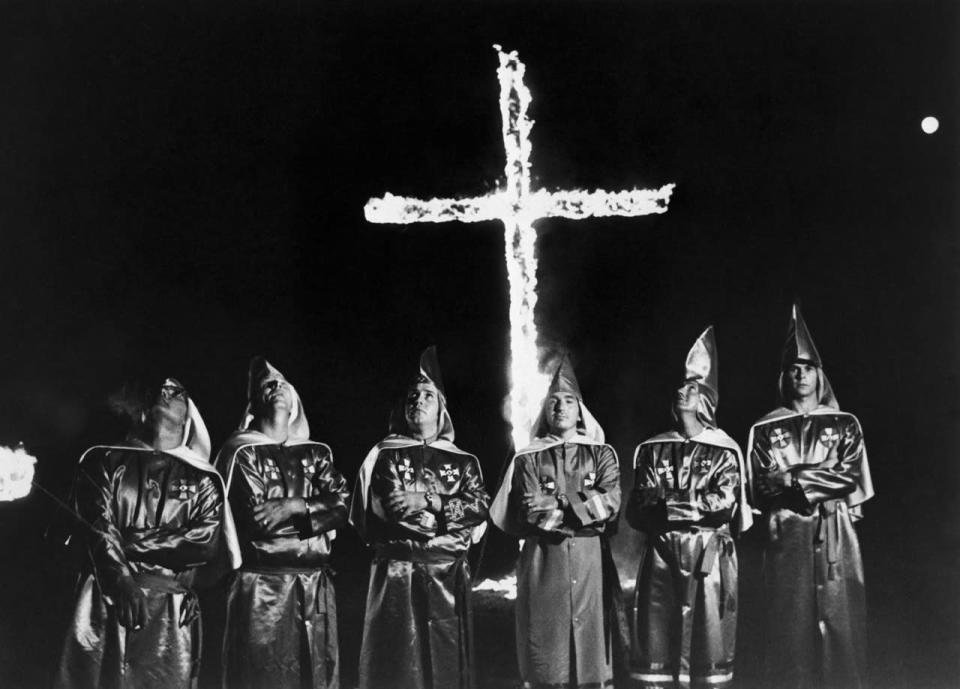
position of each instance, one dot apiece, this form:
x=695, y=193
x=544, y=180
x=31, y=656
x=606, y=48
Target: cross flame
x=16, y=473
x=517, y=207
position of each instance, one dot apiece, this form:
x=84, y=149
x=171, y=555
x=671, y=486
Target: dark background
x=182, y=186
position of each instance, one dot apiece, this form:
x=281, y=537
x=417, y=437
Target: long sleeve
x=645, y=508
x=526, y=481
x=327, y=506
x=468, y=507
x=714, y=500
x=835, y=477
x=95, y=504
x=187, y=545
x=601, y=503
x=248, y=489
x=385, y=480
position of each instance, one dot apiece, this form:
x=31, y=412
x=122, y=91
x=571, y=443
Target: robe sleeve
x=385, y=479
x=525, y=480
x=248, y=489
x=600, y=504
x=836, y=477
x=327, y=506
x=645, y=506
x=186, y=545
x=762, y=463
x=468, y=507
x=715, y=501
x=96, y=486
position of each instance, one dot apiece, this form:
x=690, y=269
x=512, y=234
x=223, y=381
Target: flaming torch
x=16, y=473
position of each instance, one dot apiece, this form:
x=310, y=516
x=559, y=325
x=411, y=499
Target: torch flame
x=518, y=207
x=16, y=473
x=507, y=586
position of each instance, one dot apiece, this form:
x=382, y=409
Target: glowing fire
x=16, y=473
x=518, y=207
x=507, y=586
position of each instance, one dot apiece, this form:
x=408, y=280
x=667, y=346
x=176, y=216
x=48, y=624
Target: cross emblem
x=450, y=473
x=590, y=479
x=517, y=205
x=666, y=472
x=548, y=485
x=271, y=470
x=829, y=437
x=405, y=469
x=780, y=438
x=309, y=468
x=184, y=489
x=704, y=465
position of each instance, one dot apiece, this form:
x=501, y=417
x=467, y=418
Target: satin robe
x=562, y=638
x=281, y=629
x=684, y=496
x=158, y=519
x=417, y=630
x=812, y=570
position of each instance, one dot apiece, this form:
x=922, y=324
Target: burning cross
x=518, y=206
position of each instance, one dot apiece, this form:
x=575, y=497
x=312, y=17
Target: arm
x=95, y=504
x=468, y=507
x=835, y=477
x=248, y=492
x=644, y=509
x=600, y=504
x=186, y=545
x=326, y=508
x=541, y=511
x=386, y=481
x=715, y=501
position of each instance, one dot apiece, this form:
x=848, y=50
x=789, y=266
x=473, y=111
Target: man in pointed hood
x=288, y=498
x=688, y=495
x=157, y=511
x=810, y=477
x=561, y=494
x=419, y=503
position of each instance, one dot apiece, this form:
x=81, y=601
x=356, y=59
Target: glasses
x=173, y=392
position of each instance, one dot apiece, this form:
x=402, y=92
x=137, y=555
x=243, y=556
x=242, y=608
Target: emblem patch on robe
x=449, y=474
x=548, y=485
x=590, y=480
x=703, y=465
x=829, y=437
x=405, y=469
x=309, y=468
x=184, y=490
x=665, y=470
x=454, y=510
x=271, y=470
x=780, y=437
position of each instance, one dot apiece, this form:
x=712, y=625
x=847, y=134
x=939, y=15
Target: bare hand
x=269, y=514
x=131, y=604
x=402, y=503
x=539, y=502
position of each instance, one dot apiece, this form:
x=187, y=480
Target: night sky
x=182, y=186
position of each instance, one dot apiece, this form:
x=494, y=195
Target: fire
x=16, y=473
x=517, y=206
x=507, y=586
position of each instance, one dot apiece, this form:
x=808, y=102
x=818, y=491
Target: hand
x=540, y=502
x=269, y=514
x=774, y=483
x=131, y=604
x=402, y=503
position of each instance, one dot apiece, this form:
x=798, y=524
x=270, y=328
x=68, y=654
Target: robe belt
x=828, y=529
x=402, y=551
x=189, y=612
x=705, y=557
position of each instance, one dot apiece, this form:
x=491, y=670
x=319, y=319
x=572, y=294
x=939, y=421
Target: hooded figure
x=288, y=498
x=419, y=503
x=157, y=512
x=809, y=479
x=688, y=491
x=561, y=495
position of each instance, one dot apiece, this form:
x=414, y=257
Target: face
x=170, y=405
x=423, y=405
x=276, y=393
x=802, y=379
x=687, y=398
x=563, y=412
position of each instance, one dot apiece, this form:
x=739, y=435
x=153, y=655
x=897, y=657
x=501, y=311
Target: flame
x=507, y=586
x=518, y=207
x=16, y=473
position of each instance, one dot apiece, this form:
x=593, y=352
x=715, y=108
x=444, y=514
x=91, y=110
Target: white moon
x=929, y=125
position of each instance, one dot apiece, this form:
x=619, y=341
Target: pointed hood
x=196, y=438
x=564, y=380
x=261, y=371
x=428, y=372
x=800, y=347
x=702, y=366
